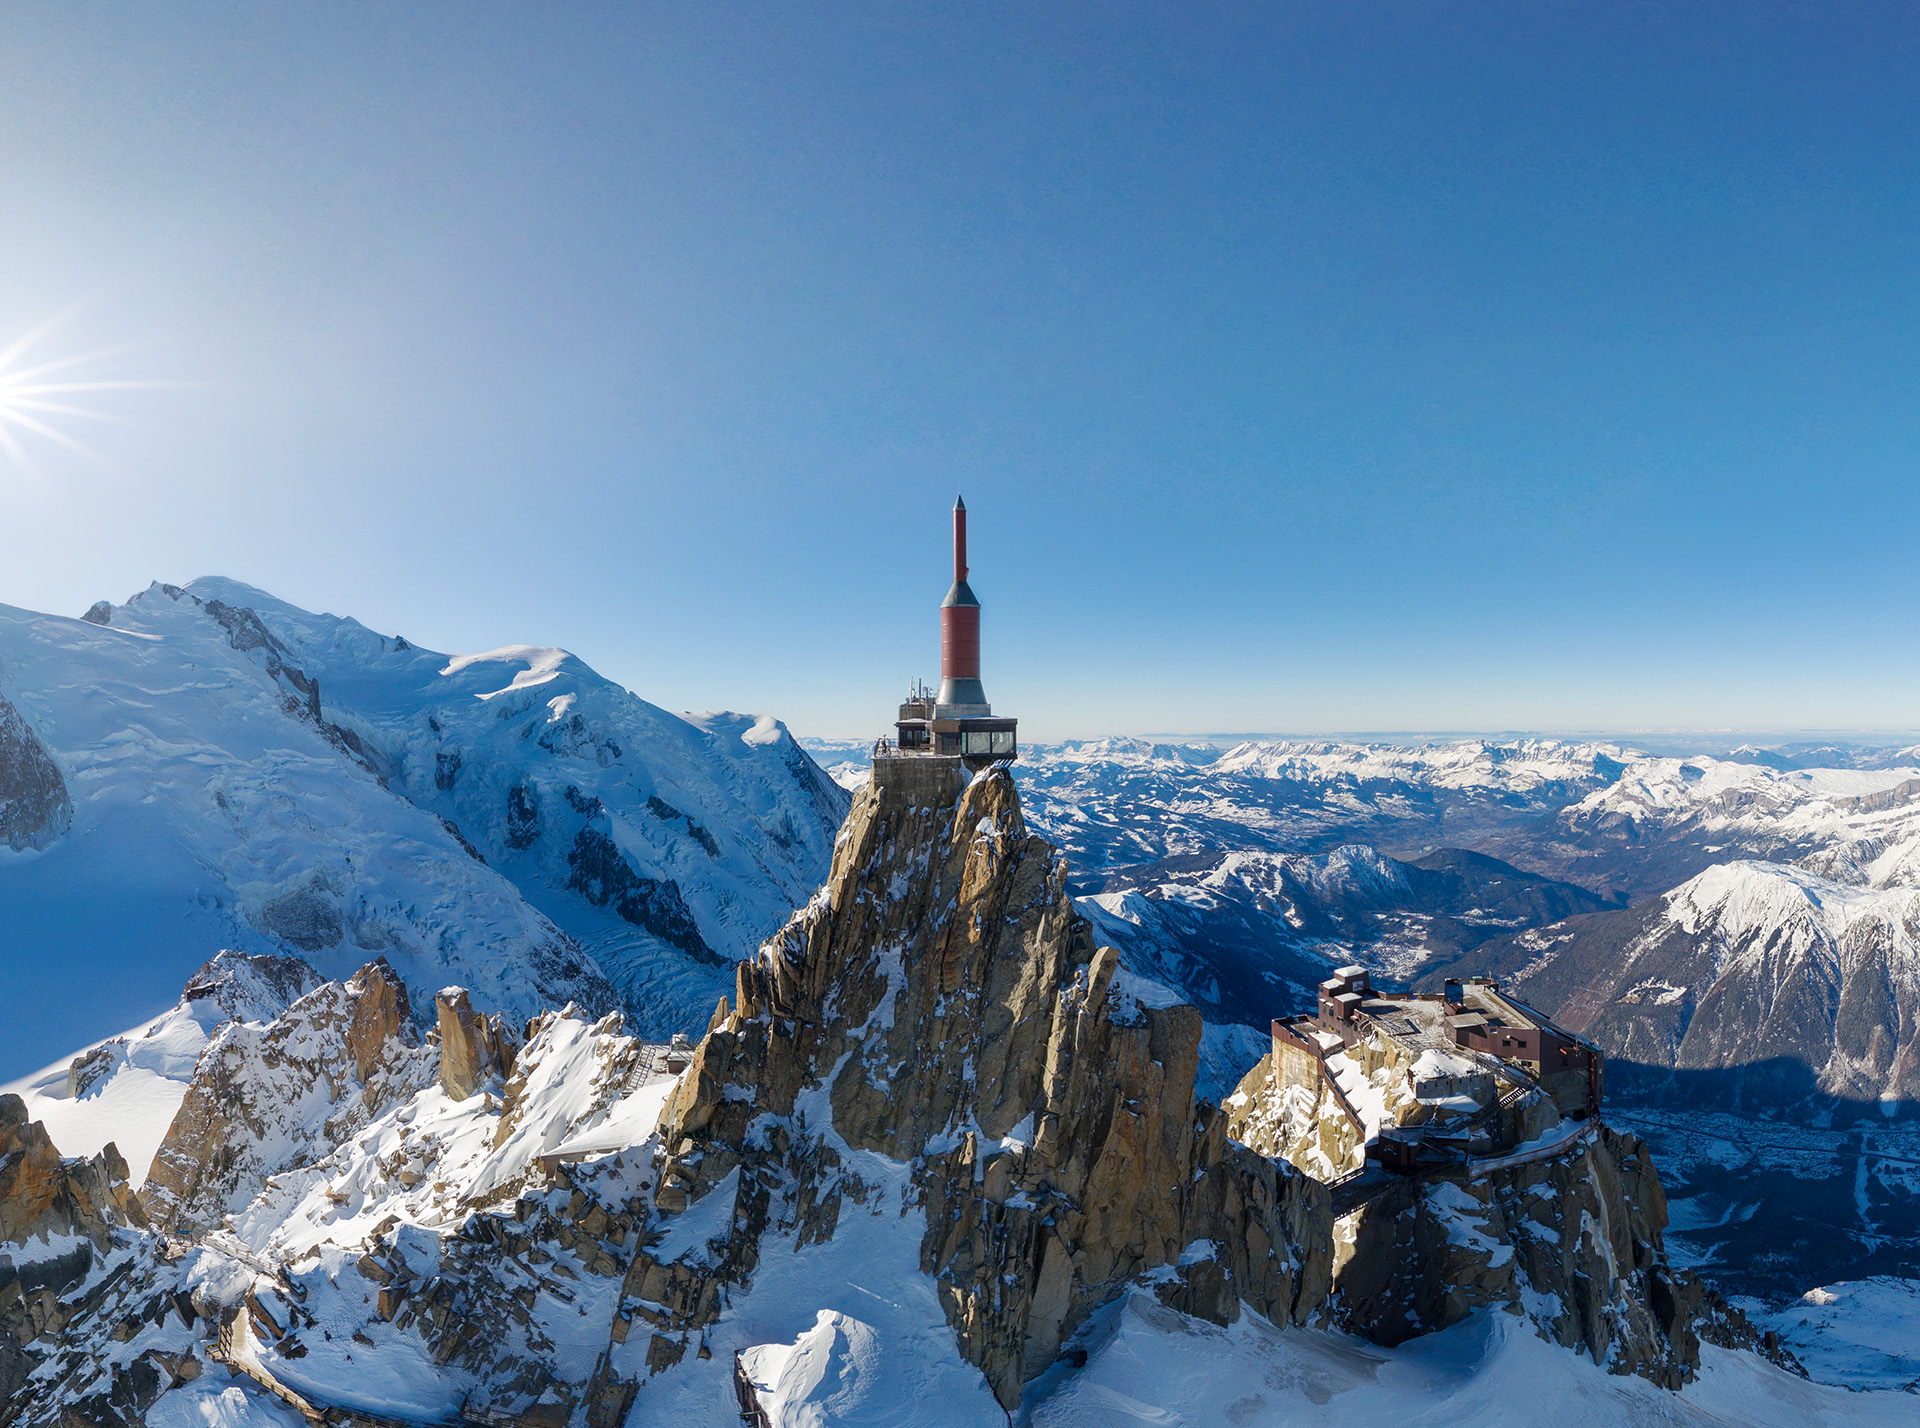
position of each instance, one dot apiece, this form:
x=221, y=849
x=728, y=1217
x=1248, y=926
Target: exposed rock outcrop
x=34, y=807
x=600, y=873
x=43, y=1195
x=1570, y=1237
x=473, y=1047
x=348, y=1049
x=56, y=1216
x=246, y=633
x=941, y=1003
x=249, y=987
x=90, y=1068
x=1573, y=1241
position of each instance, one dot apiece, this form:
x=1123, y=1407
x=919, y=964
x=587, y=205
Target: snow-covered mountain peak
x=1758, y=904
x=238, y=772
x=1724, y=788
x=1784, y=984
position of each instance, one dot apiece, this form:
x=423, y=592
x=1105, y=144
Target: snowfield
x=1149, y=1367
x=846, y=1334
x=242, y=773
x=130, y=1086
x=136, y=1101
x=1861, y=1334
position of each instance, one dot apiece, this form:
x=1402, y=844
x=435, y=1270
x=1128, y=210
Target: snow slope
x=1150, y=1367
x=845, y=1334
x=1860, y=1334
x=245, y=774
x=137, y=1101
x=130, y=1086
x=1781, y=979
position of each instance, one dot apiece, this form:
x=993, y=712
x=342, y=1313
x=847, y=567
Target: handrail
x=1580, y=1130
x=743, y=1389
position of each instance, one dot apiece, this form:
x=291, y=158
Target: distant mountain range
x=1737, y=929
x=1246, y=932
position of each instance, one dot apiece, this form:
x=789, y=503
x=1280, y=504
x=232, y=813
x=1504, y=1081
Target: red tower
x=958, y=720
x=960, y=688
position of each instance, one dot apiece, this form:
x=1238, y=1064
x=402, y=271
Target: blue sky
x=1306, y=367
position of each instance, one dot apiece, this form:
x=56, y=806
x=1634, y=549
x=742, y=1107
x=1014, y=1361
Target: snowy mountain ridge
x=1778, y=980
x=237, y=772
x=1623, y=823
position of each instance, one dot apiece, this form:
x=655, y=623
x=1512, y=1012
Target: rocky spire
x=472, y=1047
x=943, y=1004
x=247, y=1114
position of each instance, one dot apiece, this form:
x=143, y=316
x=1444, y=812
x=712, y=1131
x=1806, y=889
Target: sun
x=36, y=396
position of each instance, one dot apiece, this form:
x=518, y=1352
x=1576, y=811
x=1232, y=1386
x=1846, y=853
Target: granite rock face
x=56, y=1217
x=251, y=987
x=473, y=1047
x=941, y=1003
x=34, y=807
x=43, y=1195
x=335, y=1059
x=1573, y=1240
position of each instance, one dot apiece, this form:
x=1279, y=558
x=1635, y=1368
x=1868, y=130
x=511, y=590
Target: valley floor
x=1815, y=1232
x=1769, y=1208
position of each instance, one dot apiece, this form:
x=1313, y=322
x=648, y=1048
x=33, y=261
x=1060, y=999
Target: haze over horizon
x=1658, y=742
x=1516, y=367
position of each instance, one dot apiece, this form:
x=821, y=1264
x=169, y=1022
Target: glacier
x=241, y=773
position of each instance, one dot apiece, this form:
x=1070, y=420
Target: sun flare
x=36, y=396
